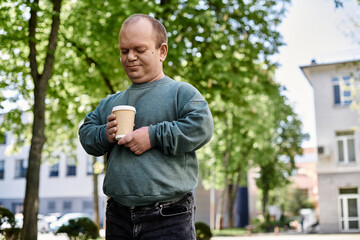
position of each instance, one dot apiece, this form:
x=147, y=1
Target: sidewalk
x=270, y=236
x=284, y=236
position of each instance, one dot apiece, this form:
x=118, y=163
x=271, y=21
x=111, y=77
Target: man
x=152, y=171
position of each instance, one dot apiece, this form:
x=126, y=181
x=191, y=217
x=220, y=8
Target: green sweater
x=179, y=121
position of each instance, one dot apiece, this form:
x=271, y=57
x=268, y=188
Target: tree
x=298, y=199
x=31, y=203
x=39, y=46
x=38, y=59
x=222, y=48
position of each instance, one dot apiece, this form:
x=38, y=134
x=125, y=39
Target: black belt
x=153, y=205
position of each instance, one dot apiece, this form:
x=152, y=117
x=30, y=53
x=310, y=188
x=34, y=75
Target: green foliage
x=290, y=200
x=203, y=231
x=80, y=228
x=298, y=199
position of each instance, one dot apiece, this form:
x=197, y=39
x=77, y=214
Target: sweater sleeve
x=190, y=132
x=92, y=134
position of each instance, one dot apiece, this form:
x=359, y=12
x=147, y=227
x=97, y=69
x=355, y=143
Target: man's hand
x=138, y=141
x=111, y=128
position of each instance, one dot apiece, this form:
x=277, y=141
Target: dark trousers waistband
x=150, y=206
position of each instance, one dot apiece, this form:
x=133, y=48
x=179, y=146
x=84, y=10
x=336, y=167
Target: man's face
x=141, y=60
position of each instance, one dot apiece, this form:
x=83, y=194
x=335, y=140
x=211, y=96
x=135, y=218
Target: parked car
x=64, y=220
x=43, y=226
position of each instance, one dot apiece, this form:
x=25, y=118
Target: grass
x=230, y=232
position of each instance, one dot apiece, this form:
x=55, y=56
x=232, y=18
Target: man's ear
x=163, y=51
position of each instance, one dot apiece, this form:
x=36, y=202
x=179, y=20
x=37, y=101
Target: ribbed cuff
x=152, y=135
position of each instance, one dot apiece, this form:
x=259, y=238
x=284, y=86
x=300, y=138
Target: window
x=349, y=209
x=346, y=147
x=20, y=168
x=342, y=92
x=17, y=207
x=54, y=170
x=67, y=206
x=51, y=206
x=70, y=167
x=87, y=206
x=2, y=169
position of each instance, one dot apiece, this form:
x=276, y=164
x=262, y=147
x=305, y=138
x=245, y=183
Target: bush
x=11, y=232
x=80, y=228
x=203, y=231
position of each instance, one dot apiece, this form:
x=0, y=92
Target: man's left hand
x=138, y=141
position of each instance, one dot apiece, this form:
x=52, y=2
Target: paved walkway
x=284, y=236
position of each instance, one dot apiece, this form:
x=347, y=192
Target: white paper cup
x=125, y=116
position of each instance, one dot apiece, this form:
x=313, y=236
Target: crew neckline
x=134, y=86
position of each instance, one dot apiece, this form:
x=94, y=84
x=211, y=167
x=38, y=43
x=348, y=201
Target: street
x=252, y=237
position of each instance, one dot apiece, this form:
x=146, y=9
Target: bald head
x=159, y=31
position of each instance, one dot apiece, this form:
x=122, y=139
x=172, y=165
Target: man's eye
x=124, y=51
x=141, y=50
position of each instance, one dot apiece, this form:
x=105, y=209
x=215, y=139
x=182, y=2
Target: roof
x=305, y=68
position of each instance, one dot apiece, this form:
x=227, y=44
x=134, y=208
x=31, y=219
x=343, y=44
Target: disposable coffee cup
x=125, y=116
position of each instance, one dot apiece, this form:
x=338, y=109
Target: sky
x=314, y=29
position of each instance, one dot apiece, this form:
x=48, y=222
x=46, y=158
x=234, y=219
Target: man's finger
x=111, y=117
x=111, y=124
x=127, y=138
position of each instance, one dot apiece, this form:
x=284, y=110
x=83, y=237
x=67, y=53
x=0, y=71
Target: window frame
x=54, y=169
x=2, y=169
x=51, y=206
x=341, y=83
x=67, y=206
x=23, y=168
x=344, y=139
x=71, y=167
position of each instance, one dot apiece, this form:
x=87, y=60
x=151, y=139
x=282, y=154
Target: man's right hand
x=111, y=128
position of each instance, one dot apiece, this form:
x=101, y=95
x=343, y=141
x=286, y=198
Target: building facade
x=338, y=139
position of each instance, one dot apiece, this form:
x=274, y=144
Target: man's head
x=143, y=47
x=159, y=31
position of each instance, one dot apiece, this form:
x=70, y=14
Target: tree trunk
x=31, y=202
x=220, y=211
x=265, y=199
x=232, y=193
x=230, y=205
x=96, y=195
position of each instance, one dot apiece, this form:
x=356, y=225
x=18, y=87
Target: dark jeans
x=160, y=221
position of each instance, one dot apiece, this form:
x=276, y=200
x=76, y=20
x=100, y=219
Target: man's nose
x=132, y=55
